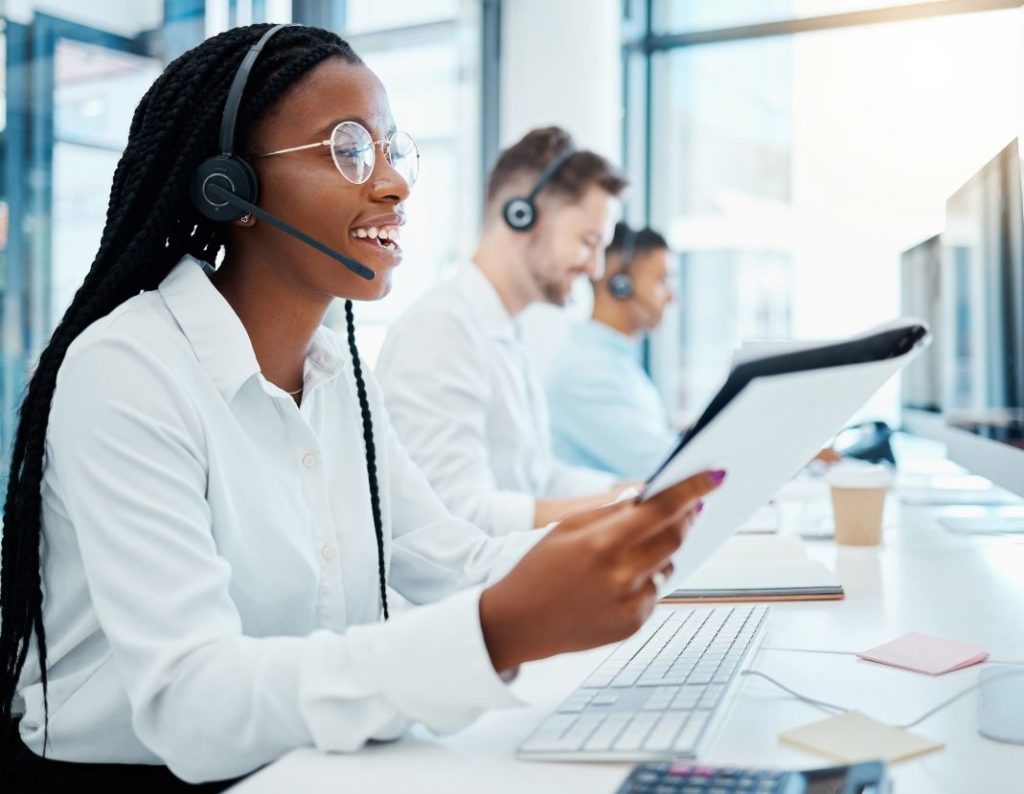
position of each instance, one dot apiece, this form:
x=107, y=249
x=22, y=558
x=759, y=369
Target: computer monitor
x=969, y=392
x=921, y=280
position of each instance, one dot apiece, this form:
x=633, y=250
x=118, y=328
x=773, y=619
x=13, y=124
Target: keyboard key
x=604, y=737
x=687, y=739
x=627, y=677
x=688, y=697
x=664, y=733
x=557, y=724
x=585, y=726
x=575, y=703
x=660, y=699
x=711, y=696
x=633, y=737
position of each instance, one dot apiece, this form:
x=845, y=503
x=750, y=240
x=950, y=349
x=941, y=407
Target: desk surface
x=922, y=578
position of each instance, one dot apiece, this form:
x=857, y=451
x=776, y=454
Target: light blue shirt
x=605, y=411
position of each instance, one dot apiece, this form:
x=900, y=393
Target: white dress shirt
x=209, y=558
x=468, y=406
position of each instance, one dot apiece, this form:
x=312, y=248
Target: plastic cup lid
x=847, y=476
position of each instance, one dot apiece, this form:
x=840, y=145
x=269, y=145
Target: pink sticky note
x=924, y=653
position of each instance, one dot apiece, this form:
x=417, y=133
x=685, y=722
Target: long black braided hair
x=151, y=224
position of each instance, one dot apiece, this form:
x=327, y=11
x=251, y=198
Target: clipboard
x=768, y=420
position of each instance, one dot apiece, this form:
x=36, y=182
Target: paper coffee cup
x=858, y=502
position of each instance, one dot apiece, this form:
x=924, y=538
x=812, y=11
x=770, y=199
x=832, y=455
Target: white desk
x=921, y=579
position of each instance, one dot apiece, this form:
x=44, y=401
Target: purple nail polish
x=718, y=476
x=700, y=508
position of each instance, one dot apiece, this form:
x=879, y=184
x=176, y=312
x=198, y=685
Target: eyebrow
x=326, y=129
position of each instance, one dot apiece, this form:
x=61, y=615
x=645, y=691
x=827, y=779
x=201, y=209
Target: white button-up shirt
x=468, y=406
x=210, y=563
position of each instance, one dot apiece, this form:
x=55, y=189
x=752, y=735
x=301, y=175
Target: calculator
x=683, y=778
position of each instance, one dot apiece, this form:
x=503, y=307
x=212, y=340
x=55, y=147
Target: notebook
x=759, y=568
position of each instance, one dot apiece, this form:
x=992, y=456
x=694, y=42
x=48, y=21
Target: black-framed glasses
x=355, y=152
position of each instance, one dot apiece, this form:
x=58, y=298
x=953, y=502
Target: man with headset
x=458, y=384
x=605, y=411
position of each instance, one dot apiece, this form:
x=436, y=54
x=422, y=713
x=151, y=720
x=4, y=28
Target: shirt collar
x=609, y=338
x=219, y=339
x=486, y=304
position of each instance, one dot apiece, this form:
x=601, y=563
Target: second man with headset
x=457, y=380
x=605, y=410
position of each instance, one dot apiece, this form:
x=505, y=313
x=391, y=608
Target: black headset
x=621, y=284
x=520, y=212
x=224, y=187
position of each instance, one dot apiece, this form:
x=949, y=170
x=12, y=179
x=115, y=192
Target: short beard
x=553, y=293
x=550, y=290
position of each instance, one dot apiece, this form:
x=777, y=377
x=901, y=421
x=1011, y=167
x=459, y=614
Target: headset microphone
x=225, y=195
x=224, y=187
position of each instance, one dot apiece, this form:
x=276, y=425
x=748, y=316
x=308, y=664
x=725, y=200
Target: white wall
x=561, y=64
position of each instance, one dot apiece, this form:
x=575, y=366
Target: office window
x=790, y=172
x=689, y=16
x=427, y=56
x=76, y=73
x=363, y=16
x=95, y=94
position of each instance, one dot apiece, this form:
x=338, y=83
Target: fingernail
x=700, y=508
x=718, y=476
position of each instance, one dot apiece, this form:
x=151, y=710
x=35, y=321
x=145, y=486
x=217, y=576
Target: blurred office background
x=790, y=150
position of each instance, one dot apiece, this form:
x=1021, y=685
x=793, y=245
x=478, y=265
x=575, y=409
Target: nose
x=386, y=184
x=595, y=264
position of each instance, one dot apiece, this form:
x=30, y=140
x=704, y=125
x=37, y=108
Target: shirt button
x=309, y=460
x=327, y=552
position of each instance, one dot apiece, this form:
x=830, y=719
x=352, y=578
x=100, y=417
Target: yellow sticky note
x=853, y=737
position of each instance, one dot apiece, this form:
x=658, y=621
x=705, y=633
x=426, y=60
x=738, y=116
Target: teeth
x=387, y=235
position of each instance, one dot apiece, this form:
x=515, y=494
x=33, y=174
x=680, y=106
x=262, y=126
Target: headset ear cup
x=520, y=213
x=231, y=173
x=621, y=286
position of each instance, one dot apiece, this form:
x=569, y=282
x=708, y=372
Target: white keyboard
x=657, y=693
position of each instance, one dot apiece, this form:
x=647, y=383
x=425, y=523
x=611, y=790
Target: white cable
x=780, y=685
x=956, y=697
x=809, y=650
x=855, y=653
x=906, y=726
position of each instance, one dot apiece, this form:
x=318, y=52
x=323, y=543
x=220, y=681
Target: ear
x=245, y=221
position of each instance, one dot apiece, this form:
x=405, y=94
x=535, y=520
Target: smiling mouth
x=384, y=237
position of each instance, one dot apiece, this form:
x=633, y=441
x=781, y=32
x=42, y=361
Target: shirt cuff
x=514, y=549
x=570, y=482
x=511, y=511
x=454, y=681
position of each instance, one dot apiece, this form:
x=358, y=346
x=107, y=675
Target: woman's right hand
x=588, y=583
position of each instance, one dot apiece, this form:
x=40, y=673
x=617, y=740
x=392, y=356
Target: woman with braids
x=206, y=498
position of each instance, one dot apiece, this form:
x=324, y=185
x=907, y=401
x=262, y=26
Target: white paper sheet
x=764, y=437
